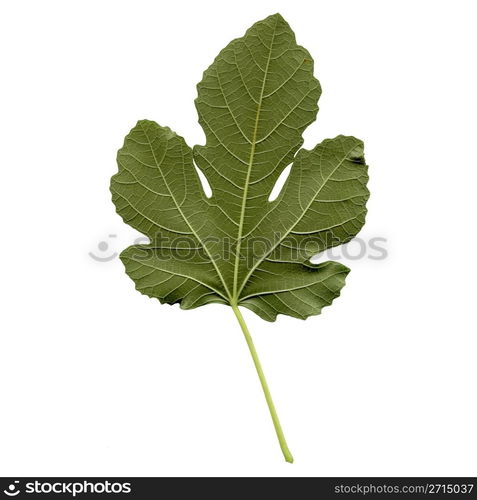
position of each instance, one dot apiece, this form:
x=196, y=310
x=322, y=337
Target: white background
x=97, y=379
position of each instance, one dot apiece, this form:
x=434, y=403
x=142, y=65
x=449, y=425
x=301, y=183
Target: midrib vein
x=185, y=218
x=249, y=171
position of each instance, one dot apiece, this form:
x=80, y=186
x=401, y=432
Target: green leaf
x=237, y=247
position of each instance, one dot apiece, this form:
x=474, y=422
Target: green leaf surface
x=237, y=247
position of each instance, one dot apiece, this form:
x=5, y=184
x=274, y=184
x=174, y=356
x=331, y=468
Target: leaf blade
x=254, y=102
x=295, y=290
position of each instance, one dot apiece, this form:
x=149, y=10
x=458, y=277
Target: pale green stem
x=276, y=422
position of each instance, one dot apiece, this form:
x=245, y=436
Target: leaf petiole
x=273, y=412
